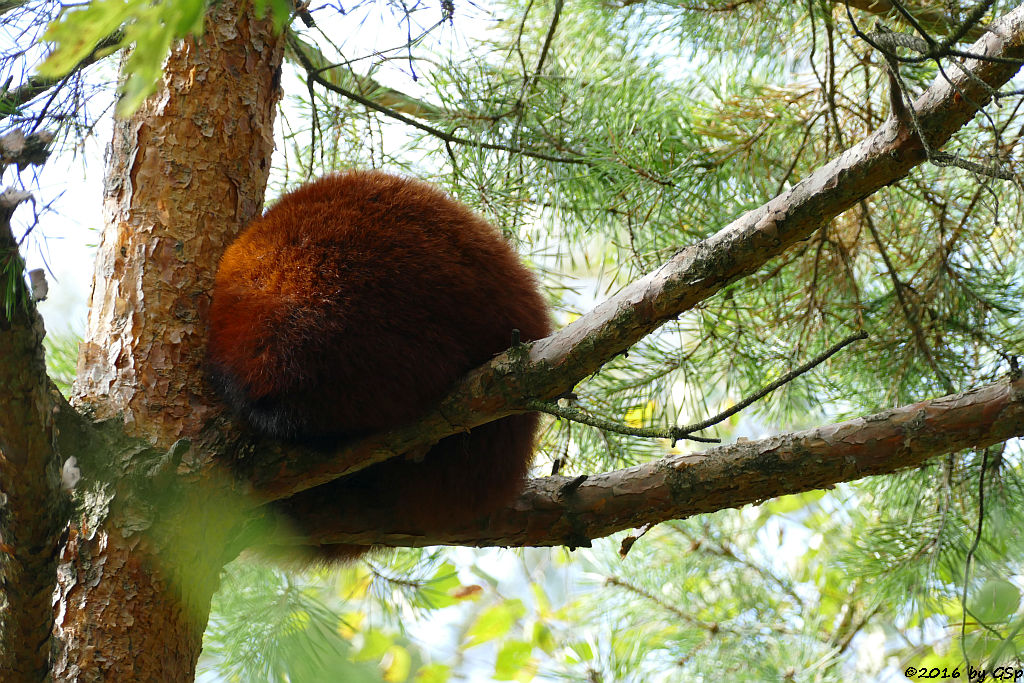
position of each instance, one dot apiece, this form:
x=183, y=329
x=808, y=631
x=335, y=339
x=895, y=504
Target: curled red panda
x=352, y=306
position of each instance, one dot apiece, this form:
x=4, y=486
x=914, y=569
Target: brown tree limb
x=33, y=511
x=721, y=477
x=22, y=150
x=551, y=366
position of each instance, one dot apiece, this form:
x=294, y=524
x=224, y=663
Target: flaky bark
x=187, y=170
x=193, y=159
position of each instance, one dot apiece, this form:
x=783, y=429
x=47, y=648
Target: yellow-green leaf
x=495, y=622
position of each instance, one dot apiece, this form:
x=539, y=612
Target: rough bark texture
x=186, y=172
x=554, y=512
x=555, y=364
x=194, y=158
x=33, y=511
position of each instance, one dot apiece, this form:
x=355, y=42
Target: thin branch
x=577, y=415
x=316, y=75
x=843, y=643
x=909, y=18
x=677, y=433
x=548, y=39
x=970, y=556
x=909, y=314
x=785, y=379
x=711, y=627
x=12, y=100
x=345, y=77
x=933, y=18
x=717, y=549
x=886, y=42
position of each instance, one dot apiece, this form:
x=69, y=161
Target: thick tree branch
x=33, y=511
x=552, y=366
x=721, y=477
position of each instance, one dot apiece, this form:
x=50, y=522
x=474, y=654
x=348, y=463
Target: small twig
x=577, y=415
x=785, y=379
x=886, y=42
x=912, y=318
x=678, y=433
x=572, y=485
x=12, y=100
x=548, y=39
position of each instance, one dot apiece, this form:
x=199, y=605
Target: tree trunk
x=185, y=173
x=33, y=510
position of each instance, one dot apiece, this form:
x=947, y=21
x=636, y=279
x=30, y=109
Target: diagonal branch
x=552, y=366
x=729, y=476
x=310, y=58
x=316, y=75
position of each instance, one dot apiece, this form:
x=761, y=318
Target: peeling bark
x=186, y=172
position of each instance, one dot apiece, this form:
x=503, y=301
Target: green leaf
x=397, y=664
x=543, y=638
x=495, y=622
x=433, y=673
x=375, y=645
x=77, y=31
x=513, y=656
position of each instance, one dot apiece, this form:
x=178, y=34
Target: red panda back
x=351, y=306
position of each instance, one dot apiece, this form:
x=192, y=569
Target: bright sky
x=64, y=239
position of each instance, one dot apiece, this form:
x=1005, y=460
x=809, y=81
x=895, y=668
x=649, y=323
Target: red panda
x=352, y=306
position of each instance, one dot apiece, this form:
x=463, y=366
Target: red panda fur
x=352, y=306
